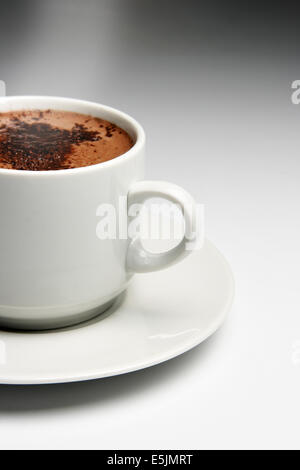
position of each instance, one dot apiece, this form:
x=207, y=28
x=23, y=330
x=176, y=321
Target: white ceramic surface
x=161, y=316
x=54, y=270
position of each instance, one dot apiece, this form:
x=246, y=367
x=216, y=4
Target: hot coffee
x=58, y=140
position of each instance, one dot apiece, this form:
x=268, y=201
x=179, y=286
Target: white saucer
x=161, y=316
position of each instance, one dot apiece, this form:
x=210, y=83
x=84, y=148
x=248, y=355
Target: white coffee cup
x=54, y=270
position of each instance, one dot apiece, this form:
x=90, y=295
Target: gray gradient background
x=210, y=82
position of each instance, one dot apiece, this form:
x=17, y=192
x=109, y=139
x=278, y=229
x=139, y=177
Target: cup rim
x=133, y=124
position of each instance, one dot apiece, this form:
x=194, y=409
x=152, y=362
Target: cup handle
x=140, y=260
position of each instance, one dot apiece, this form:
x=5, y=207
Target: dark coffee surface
x=57, y=140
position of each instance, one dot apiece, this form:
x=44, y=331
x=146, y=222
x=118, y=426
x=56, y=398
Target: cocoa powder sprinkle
x=39, y=146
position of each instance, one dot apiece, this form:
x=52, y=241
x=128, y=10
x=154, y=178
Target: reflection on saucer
x=3, y=358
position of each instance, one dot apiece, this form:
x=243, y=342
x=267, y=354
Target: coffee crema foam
x=58, y=140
